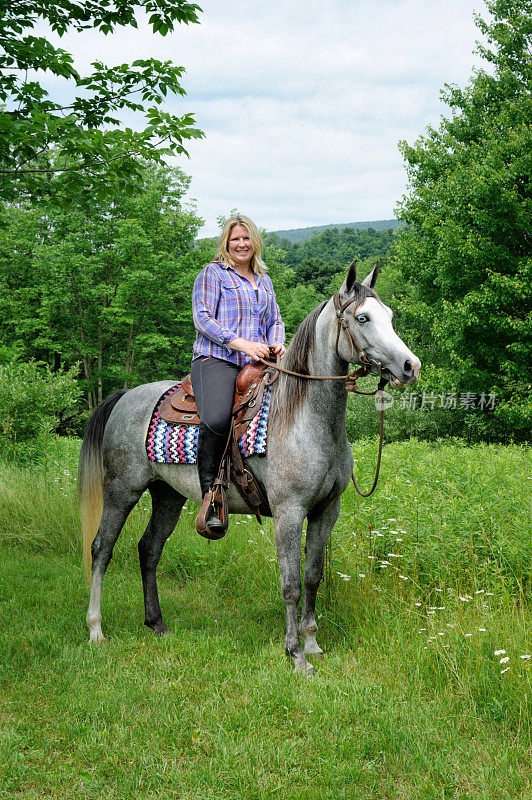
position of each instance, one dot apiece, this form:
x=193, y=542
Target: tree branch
x=94, y=162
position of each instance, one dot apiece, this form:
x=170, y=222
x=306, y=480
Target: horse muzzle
x=405, y=375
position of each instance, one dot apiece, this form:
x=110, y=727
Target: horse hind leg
x=117, y=504
x=166, y=508
x=318, y=531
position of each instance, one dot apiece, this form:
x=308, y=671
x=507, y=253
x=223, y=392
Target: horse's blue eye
x=362, y=318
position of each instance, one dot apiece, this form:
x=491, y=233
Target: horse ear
x=351, y=277
x=371, y=279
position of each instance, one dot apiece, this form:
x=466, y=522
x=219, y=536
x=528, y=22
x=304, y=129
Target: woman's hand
x=254, y=350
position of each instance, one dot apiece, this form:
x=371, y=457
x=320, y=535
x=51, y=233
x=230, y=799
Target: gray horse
x=307, y=467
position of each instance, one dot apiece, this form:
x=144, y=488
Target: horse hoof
x=305, y=669
x=159, y=628
x=313, y=652
x=97, y=638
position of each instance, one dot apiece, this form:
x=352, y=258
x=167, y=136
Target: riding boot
x=211, y=447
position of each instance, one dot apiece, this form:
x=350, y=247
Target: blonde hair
x=257, y=264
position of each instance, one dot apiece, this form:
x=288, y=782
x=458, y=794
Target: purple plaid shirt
x=225, y=306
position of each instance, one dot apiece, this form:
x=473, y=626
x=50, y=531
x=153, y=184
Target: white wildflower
x=343, y=577
x=499, y=652
x=525, y=657
x=504, y=670
x=504, y=660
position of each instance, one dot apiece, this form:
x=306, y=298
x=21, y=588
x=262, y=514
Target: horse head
x=368, y=334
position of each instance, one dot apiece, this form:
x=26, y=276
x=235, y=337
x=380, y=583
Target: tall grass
x=444, y=515
x=424, y=690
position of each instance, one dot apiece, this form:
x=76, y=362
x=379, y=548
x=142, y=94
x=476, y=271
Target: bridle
x=343, y=325
x=351, y=378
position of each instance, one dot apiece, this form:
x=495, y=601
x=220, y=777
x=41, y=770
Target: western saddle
x=181, y=409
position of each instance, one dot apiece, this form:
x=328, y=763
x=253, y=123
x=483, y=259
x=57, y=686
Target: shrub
x=33, y=401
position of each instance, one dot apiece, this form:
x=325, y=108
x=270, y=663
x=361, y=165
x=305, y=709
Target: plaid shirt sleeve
x=275, y=327
x=205, y=299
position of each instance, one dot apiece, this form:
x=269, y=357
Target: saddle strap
x=247, y=484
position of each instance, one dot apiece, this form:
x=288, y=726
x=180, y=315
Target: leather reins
x=350, y=379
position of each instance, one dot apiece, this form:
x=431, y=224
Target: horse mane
x=290, y=392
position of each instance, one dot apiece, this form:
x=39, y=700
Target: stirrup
x=201, y=520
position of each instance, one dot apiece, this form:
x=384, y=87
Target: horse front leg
x=288, y=527
x=318, y=531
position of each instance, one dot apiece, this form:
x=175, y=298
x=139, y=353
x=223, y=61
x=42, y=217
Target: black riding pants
x=213, y=381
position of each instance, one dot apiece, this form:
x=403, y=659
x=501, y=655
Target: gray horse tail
x=90, y=475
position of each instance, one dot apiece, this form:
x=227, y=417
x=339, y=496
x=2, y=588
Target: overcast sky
x=303, y=102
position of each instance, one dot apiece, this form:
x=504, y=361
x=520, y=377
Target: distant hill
x=302, y=234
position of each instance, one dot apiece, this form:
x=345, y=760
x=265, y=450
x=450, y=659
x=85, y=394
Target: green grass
x=408, y=702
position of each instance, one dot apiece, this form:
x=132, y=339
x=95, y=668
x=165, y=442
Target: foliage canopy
x=467, y=249
x=82, y=143
x=107, y=287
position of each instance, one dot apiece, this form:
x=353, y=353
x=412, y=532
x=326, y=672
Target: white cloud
x=303, y=102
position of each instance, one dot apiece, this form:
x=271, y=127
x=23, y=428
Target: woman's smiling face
x=239, y=246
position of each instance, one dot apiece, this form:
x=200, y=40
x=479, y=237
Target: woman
x=236, y=318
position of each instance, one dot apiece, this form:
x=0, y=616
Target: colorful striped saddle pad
x=167, y=443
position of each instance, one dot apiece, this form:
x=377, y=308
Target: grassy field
x=424, y=691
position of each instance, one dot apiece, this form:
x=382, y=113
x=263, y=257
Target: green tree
x=83, y=143
x=318, y=261
x=106, y=287
x=466, y=252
